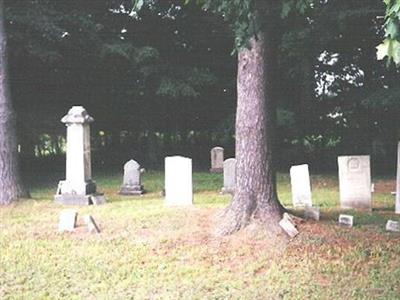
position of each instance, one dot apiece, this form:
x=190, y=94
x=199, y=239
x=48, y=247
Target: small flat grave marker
x=91, y=224
x=393, y=226
x=346, y=220
x=67, y=220
x=288, y=226
x=311, y=212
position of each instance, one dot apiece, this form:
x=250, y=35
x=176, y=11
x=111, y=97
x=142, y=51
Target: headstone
x=346, y=220
x=301, y=187
x=217, y=159
x=132, y=184
x=178, y=181
x=67, y=220
x=78, y=188
x=287, y=225
x=229, y=176
x=393, y=226
x=355, y=182
x=91, y=224
x=397, y=209
x=312, y=213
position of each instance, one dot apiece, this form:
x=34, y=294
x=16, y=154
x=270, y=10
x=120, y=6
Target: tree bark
x=255, y=196
x=10, y=184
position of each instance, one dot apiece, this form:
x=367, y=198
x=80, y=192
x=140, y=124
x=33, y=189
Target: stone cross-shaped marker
x=78, y=188
x=132, y=183
x=217, y=160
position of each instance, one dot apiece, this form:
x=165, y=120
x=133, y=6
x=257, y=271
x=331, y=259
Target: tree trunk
x=10, y=184
x=255, y=196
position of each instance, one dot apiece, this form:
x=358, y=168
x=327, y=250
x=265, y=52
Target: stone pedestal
x=78, y=188
x=217, y=160
x=132, y=184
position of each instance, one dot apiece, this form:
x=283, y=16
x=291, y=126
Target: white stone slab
x=301, y=186
x=346, y=220
x=178, y=181
x=355, y=182
x=67, y=220
x=393, y=226
x=287, y=225
x=397, y=209
x=91, y=224
x=229, y=176
x=217, y=159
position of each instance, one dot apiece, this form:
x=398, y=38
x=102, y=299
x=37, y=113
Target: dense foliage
x=162, y=80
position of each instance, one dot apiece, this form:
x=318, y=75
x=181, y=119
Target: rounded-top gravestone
x=132, y=182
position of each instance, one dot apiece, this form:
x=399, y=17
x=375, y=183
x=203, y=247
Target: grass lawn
x=148, y=251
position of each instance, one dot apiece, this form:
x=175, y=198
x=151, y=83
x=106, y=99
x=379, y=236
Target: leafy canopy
x=242, y=14
x=390, y=46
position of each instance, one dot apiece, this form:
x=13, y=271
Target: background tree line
x=164, y=82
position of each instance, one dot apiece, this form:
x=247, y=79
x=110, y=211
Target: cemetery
x=142, y=158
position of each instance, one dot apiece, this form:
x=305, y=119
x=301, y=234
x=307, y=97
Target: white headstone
x=393, y=226
x=229, y=176
x=355, y=182
x=78, y=186
x=67, y=220
x=132, y=184
x=397, y=210
x=346, y=220
x=178, y=181
x=217, y=159
x=301, y=187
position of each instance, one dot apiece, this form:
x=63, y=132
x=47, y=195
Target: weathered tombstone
x=67, y=220
x=287, y=225
x=132, y=184
x=217, y=159
x=355, y=182
x=393, y=226
x=397, y=210
x=229, y=176
x=78, y=188
x=312, y=213
x=178, y=181
x=346, y=220
x=91, y=224
x=301, y=187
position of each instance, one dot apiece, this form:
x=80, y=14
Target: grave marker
x=229, y=176
x=132, y=182
x=301, y=187
x=67, y=220
x=355, y=182
x=78, y=187
x=178, y=181
x=217, y=159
